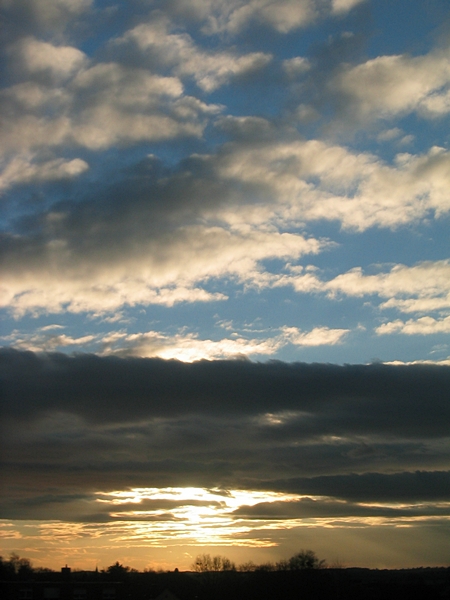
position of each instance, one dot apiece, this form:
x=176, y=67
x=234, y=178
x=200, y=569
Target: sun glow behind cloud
x=193, y=515
x=215, y=517
x=160, y=526
x=188, y=517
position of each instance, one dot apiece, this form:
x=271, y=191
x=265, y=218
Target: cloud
x=296, y=66
x=103, y=105
x=342, y=6
x=23, y=170
x=48, y=382
x=178, y=51
x=443, y=362
x=407, y=487
x=194, y=160
x=436, y=104
x=45, y=339
x=317, y=337
x=42, y=59
x=246, y=128
x=424, y=286
x=420, y=326
x=164, y=269
x=386, y=86
x=222, y=216
x=155, y=236
x=188, y=347
x=44, y=16
x=314, y=180
x=98, y=439
x=184, y=346
x=282, y=15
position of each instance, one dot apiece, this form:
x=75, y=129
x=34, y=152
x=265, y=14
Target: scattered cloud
x=296, y=66
x=103, y=105
x=177, y=51
x=424, y=286
x=317, y=337
x=284, y=16
x=26, y=169
x=342, y=6
x=184, y=346
x=386, y=86
x=317, y=181
x=191, y=188
x=187, y=347
x=44, y=16
x=420, y=326
x=52, y=64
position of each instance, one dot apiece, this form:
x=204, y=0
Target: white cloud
x=296, y=66
x=443, y=362
x=245, y=128
x=44, y=339
x=343, y=6
x=187, y=347
x=52, y=10
x=389, y=134
x=286, y=184
x=31, y=96
x=420, y=326
x=22, y=169
x=390, y=85
x=436, y=104
x=125, y=87
x=58, y=293
x=235, y=15
x=319, y=336
x=103, y=105
x=148, y=269
x=182, y=346
x=283, y=15
x=209, y=69
x=60, y=62
x=303, y=280
x=314, y=180
x=423, y=286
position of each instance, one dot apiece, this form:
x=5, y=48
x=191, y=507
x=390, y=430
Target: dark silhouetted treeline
x=216, y=578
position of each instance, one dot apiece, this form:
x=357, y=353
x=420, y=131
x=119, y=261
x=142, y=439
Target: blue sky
x=201, y=179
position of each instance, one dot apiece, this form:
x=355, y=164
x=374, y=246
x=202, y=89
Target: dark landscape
x=19, y=581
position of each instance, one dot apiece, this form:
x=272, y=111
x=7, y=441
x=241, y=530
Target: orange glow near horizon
x=194, y=515
x=168, y=527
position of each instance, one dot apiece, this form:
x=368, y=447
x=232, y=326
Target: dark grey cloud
x=382, y=487
x=23, y=17
x=406, y=400
x=75, y=425
x=326, y=508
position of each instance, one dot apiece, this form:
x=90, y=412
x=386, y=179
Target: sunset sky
x=225, y=287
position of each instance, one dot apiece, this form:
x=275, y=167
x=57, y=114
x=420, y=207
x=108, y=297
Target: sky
x=225, y=287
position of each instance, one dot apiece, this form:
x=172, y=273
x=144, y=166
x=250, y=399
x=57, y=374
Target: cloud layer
x=189, y=186
x=315, y=442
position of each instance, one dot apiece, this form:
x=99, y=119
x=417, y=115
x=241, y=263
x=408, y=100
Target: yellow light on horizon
x=199, y=515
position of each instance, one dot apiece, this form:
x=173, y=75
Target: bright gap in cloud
x=199, y=516
x=206, y=517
